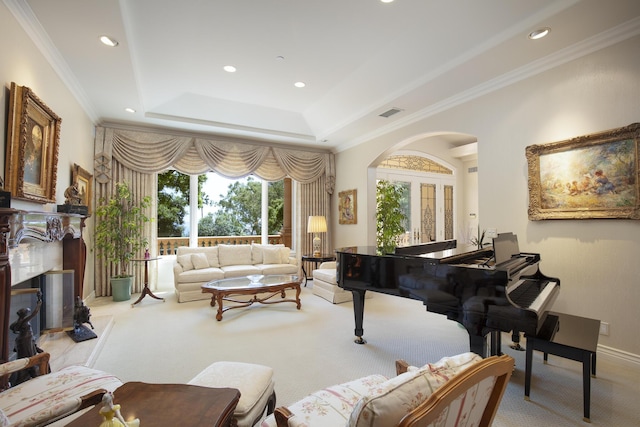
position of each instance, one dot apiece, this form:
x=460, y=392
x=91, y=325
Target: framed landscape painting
x=592, y=176
x=33, y=135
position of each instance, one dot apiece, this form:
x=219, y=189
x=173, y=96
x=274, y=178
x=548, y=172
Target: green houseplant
x=389, y=216
x=119, y=235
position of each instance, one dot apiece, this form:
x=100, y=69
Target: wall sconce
x=316, y=224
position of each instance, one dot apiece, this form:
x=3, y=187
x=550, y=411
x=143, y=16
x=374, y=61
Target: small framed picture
x=83, y=180
x=348, y=207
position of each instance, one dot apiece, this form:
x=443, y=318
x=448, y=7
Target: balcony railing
x=169, y=245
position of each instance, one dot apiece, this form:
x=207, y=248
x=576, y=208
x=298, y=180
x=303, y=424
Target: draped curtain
x=137, y=156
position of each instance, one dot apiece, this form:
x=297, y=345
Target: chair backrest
x=471, y=397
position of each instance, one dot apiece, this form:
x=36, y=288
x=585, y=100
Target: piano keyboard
x=531, y=294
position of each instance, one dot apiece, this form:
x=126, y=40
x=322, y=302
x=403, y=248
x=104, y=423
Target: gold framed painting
x=83, y=181
x=348, y=207
x=591, y=176
x=33, y=135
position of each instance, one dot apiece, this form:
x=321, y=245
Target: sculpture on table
x=111, y=414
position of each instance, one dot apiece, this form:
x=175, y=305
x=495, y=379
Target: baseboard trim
x=619, y=356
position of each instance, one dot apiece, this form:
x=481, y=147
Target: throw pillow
x=271, y=256
x=199, y=261
x=185, y=262
x=284, y=254
x=403, y=393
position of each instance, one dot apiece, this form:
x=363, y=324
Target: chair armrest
x=327, y=265
x=282, y=415
x=41, y=360
x=401, y=366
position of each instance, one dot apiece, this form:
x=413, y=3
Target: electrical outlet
x=491, y=233
x=604, y=328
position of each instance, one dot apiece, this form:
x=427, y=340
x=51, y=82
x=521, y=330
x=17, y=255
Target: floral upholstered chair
x=459, y=390
x=49, y=397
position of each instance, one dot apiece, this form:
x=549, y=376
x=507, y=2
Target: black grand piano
x=489, y=290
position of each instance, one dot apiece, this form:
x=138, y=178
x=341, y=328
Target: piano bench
x=571, y=337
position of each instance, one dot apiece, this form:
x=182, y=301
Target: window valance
x=151, y=152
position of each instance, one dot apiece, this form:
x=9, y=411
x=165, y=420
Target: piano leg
x=358, y=311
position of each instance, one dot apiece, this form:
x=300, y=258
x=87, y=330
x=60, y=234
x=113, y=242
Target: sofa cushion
x=202, y=276
x=240, y=270
x=199, y=261
x=185, y=262
x=395, y=398
x=234, y=255
x=325, y=275
x=271, y=256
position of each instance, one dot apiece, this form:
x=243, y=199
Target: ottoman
x=255, y=383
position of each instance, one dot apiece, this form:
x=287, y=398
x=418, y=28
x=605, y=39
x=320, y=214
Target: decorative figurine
x=112, y=415
x=72, y=195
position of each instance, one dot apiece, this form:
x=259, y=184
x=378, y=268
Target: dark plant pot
x=121, y=288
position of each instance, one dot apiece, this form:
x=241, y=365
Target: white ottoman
x=255, y=383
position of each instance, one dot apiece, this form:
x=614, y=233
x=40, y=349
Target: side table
x=315, y=259
x=168, y=405
x=146, y=291
x=571, y=337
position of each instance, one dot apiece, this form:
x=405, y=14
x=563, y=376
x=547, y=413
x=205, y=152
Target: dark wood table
x=146, y=290
x=270, y=284
x=169, y=404
x=571, y=337
x=316, y=259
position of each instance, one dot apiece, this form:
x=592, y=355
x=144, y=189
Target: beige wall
x=596, y=260
x=21, y=62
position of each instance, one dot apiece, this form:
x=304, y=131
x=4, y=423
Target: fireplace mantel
x=43, y=226
x=18, y=226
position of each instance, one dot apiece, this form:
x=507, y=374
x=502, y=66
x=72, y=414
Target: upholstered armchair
x=50, y=396
x=459, y=390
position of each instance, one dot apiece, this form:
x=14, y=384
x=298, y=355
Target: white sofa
x=326, y=286
x=196, y=266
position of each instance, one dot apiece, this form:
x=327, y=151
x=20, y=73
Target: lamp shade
x=317, y=224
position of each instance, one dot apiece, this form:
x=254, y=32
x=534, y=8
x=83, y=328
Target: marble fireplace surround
x=32, y=243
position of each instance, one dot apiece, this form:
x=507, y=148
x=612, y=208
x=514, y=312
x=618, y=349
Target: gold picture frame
x=83, y=180
x=33, y=136
x=592, y=176
x=348, y=207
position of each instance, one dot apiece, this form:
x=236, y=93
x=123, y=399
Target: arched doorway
x=458, y=198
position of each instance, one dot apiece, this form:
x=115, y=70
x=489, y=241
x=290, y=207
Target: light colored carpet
x=313, y=348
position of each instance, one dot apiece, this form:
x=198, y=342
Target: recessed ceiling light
x=108, y=41
x=299, y=84
x=229, y=68
x=539, y=33
x=386, y=1
x=129, y=110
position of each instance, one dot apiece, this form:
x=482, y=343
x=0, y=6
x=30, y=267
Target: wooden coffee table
x=169, y=404
x=271, y=285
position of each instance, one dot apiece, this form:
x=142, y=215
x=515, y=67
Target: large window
x=221, y=206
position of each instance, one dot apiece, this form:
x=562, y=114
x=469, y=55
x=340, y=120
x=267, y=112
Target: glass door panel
x=428, y=213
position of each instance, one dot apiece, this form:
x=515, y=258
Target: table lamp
x=316, y=224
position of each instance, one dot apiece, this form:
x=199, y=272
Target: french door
x=429, y=205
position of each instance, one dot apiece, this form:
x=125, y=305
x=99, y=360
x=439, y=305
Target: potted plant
x=390, y=219
x=119, y=235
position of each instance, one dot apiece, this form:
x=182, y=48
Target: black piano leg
x=478, y=345
x=358, y=311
